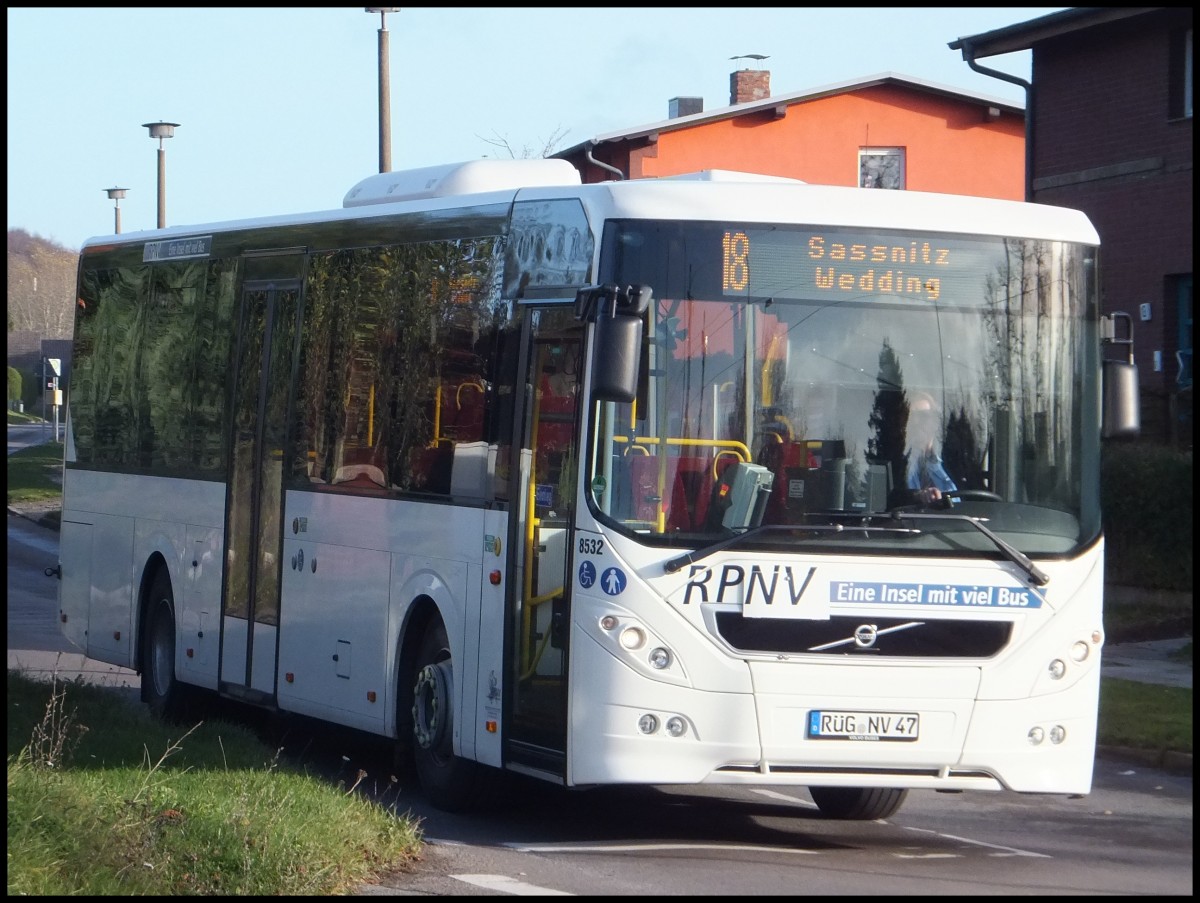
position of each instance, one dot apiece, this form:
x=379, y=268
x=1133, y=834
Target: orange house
x=884, y=131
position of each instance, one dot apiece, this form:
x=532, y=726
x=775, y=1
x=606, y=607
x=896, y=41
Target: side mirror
x=618, y=314
x=1121, y=415
x=1121, y=404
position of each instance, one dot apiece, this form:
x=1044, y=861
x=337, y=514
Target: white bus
x=610, y=483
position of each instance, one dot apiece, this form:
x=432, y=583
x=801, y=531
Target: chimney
x=684, y=106
x=747, y=85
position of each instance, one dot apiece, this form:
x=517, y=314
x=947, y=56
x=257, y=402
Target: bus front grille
x=887, y=637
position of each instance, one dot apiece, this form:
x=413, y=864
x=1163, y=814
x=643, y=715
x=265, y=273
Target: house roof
x=783, y=100
x=1024, y=35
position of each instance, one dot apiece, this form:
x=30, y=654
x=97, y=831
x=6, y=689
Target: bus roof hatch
x=471, y=177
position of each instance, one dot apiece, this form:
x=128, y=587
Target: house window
x=1180, y=92
x=881, y=167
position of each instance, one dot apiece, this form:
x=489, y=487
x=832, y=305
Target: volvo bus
x=610, y=483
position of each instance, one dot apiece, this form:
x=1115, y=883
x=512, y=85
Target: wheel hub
x=431, y=705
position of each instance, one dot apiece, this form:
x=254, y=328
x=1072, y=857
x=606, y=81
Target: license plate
x=902, y=726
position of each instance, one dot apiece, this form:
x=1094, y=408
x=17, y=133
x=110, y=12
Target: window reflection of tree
x=385, y=328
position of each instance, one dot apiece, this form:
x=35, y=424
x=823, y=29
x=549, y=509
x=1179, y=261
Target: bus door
x=539, y=595
x=254, y=501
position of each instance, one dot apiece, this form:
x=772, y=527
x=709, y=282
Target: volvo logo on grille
x=865, y=635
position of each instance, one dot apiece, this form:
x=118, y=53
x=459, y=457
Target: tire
x=451, y=783
x=161, y=690
x=857, y=803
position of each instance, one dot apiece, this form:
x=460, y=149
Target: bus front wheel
x=857, y=803
x=450, y=782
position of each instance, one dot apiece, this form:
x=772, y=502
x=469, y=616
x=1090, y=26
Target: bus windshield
x=842, y=381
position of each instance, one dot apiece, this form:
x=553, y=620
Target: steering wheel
x=973, y=495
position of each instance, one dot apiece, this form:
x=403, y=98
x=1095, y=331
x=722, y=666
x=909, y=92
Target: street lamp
x=385, y=97
x=161, y=130
x=115, y=195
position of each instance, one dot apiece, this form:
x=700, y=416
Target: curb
x=1179, y=763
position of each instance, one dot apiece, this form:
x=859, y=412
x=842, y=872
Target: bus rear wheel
x=450, y=782
x=161, y=691
x=857, y=803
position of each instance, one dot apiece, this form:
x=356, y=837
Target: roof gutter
x=587, y=152
x=968, y=52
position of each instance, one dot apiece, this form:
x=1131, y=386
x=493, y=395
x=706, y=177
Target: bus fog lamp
x=660, y=658
x=647, y=724
x=1080, y=651
x=1058, y=734
x=676, y=726
x=632, y=637
x=608, y=622
x=1036, y=735
x=1057, y=669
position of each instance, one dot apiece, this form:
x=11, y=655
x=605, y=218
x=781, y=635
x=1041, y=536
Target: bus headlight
x=1036, y=735
x=632, y=637
x=1058, y=734
x=1079, y=651
x=660, y=658
x=648, y=724
x=1057, y=669
x=676, y=726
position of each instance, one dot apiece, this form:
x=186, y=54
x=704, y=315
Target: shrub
x=1146, y=503
x=30, y=392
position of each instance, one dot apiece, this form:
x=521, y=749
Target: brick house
x=886, y=130
x=1110, y=133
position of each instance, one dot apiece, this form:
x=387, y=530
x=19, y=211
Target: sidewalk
x=1149, y=662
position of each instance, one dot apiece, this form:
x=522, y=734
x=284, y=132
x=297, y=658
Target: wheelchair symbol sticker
x=613, y=581
x=587, y=574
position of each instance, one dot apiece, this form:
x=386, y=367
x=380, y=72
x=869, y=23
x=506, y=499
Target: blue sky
x=279, y=110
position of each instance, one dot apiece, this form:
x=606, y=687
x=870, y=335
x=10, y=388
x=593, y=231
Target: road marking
x=1003, y=850
x=775, y=795
x=647, y=847
x=507, y=885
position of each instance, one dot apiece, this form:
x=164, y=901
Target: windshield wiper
x=676, y=564
x=1036, y=575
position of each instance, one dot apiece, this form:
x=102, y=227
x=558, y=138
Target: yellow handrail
x=724, y=448
x=466, y=385
x=731, y=444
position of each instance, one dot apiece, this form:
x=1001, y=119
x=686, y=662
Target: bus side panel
x=75, y=585
x=333, y=638
x=199, y=609
x=488, y=623
x=110, y=616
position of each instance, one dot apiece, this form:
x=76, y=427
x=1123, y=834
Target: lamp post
x=115, y=195
x=161, y=130
x=385, y=97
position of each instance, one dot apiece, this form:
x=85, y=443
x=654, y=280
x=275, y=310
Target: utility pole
x=385, y=96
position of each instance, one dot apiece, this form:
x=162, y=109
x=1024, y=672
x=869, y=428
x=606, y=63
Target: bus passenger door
x=254, y=503
x=539, y=594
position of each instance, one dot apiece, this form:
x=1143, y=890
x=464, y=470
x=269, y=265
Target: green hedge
x=1146, y=500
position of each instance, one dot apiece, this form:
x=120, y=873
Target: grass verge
x=1145, y=716
x=104, y=800
x=35, y=473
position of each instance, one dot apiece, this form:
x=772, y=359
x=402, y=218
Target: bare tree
x=526, y=152
x=41, y=286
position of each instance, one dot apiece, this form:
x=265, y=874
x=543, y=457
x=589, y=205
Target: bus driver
x=927, y=475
